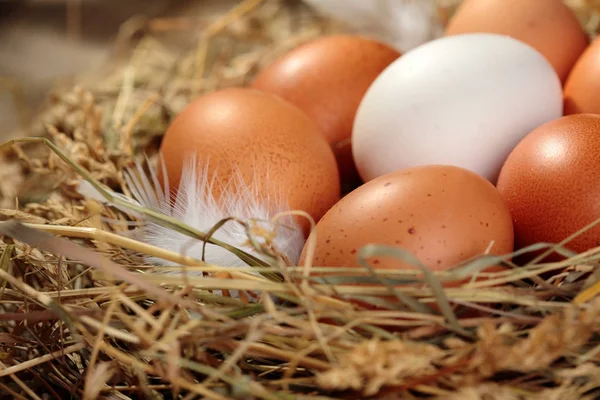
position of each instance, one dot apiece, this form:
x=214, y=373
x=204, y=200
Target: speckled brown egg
x=551, y=182
x=273, y=144
x=441, y=214
x=582, y=89
x=327, y=78
x=549, y=26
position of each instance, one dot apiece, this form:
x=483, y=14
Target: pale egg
x=462, y=100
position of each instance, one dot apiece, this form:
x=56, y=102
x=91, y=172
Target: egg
x=550, y=182
x=273, y=145
x=549, y=26
x=327, y=78
x=582, y=89
x=441, y=214
x=462, y=100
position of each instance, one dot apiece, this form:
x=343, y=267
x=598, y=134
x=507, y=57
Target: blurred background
x=44, y=43
x=47, y=41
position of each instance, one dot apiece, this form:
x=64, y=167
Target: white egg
x=463, y=100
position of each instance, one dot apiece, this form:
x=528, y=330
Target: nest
x=83, y=316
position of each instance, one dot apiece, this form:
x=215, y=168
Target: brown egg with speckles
x=582, y=89
x=551, y=183
x=443, y=215
x=275, y=147
x=549, y=26
x=327, y=78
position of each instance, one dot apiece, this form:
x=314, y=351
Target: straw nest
x=82, y=315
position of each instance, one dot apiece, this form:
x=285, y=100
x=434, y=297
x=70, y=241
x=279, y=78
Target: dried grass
x=83, y=316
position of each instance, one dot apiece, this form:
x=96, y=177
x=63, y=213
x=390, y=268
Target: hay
x=83, y=316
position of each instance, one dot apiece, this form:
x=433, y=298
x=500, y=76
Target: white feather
x=195, y=205
x=403, y=24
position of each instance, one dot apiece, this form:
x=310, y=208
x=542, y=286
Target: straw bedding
x=83, y=316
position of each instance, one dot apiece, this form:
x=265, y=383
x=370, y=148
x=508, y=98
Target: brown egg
x=547, y=25
x=550, y=182
x=327, y=78
x=267, y=138
x=441, y=214
x=582, y=89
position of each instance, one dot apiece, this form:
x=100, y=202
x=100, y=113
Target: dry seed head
x=373, y=364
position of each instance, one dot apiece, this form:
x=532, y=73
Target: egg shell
x=327, y=78
x=443, y=215
x=549, y=26
x=461, y=100
x=582, y=89
x=267, y=139
x=550, y=182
